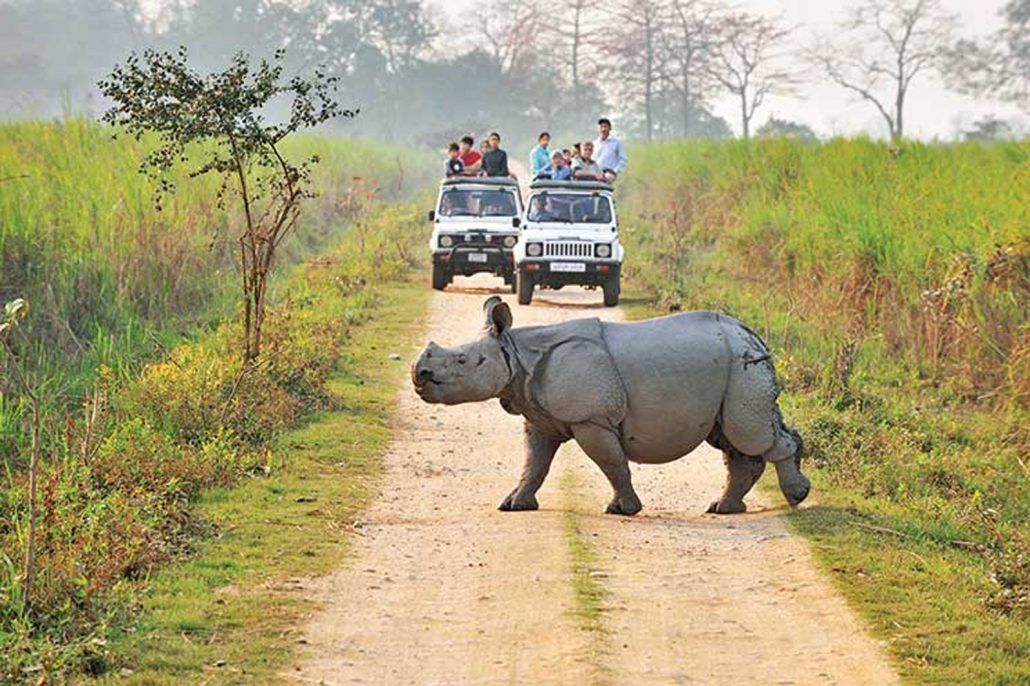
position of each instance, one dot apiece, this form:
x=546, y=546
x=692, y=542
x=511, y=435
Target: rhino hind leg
x=742, y=473
x=786, y=455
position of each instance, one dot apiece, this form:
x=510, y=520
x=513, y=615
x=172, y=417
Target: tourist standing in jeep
x=609, y=150
x=495, y=161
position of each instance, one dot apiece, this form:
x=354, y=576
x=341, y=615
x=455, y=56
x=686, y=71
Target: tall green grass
x=109, y=277
x=893, y=285
x=113, y=283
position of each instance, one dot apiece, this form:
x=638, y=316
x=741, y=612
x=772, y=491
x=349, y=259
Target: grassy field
x=147, y=404
x=112, y=279
x=892, y=285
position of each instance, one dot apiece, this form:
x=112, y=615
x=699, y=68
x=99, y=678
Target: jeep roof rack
x=570, y=185
x=504, y=181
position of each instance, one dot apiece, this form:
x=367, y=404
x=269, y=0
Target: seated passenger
x=558, y=170
x=453, y=166
x=585, y=168
x=576, y=152
x=472, y=159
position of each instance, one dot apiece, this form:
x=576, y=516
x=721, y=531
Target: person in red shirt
x=470, y=157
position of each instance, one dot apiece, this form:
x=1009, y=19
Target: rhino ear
x=498, y=315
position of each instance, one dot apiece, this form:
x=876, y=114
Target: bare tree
x=510, y=29
x=999, y=65
x=885, y=46
x=748, y=64
x=688, y=42
x=633, y=50
x=573, y=29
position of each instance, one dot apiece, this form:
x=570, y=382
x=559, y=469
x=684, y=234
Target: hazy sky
x=932, y=110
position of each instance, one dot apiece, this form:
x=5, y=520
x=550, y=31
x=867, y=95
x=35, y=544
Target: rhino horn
x=498, y=315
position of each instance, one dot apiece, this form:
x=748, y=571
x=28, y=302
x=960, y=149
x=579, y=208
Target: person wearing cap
x=557, y=170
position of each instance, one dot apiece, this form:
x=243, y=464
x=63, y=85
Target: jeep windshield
x=570, y=208
x=462, y=202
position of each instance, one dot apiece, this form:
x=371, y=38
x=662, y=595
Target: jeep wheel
x=611, y=291
x=509, y=281
x=524, y=288
x=439, y=277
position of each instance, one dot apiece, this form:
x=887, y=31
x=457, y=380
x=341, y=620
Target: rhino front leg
x=742, y=472
x=605, y=449
x=540, y=450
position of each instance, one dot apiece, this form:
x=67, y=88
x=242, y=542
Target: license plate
x=477, y=257
x=568, y=266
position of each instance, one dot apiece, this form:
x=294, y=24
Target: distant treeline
x=516, y=66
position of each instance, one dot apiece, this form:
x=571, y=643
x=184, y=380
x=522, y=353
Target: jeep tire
x=439, y=277
x=611, y=291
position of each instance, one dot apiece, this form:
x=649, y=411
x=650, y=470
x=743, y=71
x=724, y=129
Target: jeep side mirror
x=516, y=222
x=432, y=215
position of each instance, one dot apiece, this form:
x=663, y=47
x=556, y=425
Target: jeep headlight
x=446, y=241
x=603, y=250
x=535, y=249
x=510, y=241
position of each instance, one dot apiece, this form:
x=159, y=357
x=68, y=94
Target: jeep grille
x=568, y=249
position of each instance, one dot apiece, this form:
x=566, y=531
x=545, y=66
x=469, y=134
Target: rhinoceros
x=647, y=392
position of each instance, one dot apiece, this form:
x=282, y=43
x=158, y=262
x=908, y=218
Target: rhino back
x=675, y=371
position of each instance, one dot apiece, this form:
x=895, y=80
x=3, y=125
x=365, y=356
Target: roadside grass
x=921, y=596
x=892, y=288
x=230, y=613
x=589, y=592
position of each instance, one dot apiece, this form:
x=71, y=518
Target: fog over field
x=476, y=66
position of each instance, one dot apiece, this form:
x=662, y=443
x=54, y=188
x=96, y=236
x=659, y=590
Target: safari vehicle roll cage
x=571, y=185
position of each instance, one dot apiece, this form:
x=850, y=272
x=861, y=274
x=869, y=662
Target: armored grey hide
x=646, y=392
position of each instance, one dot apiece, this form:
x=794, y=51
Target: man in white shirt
x=610, y=152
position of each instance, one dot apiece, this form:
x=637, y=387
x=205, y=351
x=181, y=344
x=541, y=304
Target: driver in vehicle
x=454, y=204
x=543, y=210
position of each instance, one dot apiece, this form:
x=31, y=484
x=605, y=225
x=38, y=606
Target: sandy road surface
x=444, y=589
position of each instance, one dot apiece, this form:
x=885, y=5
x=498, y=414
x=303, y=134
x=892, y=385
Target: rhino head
x=476, y=371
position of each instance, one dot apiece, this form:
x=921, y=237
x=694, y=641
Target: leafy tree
x=218, y=119
x=885, y=45
x=990, y=128
x=776, y=128
x=1000, y=65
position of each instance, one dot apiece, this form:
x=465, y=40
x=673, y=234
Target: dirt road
x=444, y=589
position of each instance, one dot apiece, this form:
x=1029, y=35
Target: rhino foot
x=516, y=503
x=727, y=506
x=624, y=506
x=799, y=491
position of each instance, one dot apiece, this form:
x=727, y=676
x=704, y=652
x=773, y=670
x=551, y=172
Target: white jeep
x=475, y=228
x=569, y=236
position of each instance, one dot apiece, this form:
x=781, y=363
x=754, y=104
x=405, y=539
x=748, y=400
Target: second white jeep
x=569, y=236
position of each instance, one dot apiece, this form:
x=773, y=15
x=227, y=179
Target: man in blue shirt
x=539, y=158
x=611, y=153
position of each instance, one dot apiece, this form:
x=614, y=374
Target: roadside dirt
x=444, y=589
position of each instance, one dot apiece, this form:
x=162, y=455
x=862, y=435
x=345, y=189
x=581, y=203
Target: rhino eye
x=481, y=360
x=462, y=359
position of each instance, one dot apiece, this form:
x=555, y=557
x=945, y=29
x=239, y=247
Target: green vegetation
x=231, y=610
x=892, y=284
x=112, y=279
x=118, y=481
